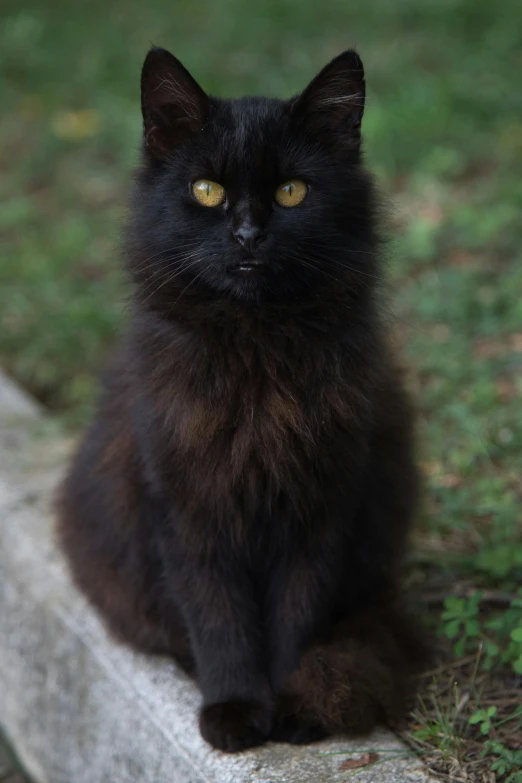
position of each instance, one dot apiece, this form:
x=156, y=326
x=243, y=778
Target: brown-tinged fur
x=242, y=498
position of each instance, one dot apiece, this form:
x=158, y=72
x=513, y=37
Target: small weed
x=498, y=634
x=484, y=718
x=461, y=619
x=508, y=763
x=465, y=723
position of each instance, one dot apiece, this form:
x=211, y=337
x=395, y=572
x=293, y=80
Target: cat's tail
x=365, y=674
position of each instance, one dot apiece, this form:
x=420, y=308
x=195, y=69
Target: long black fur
x=242, y=498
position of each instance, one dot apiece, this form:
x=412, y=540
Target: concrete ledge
x=79, y=708
x=15, y=404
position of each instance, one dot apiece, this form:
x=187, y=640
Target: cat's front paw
x=294, y=724
x=297, y=730
x=235, y=725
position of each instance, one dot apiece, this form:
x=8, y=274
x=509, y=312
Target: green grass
x=443, y=131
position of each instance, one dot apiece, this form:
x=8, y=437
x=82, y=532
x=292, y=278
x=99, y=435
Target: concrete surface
x=79, y=708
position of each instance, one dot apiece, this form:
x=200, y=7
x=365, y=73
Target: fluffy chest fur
x=253, y=410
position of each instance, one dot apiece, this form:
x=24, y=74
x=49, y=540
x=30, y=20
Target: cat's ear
x=172, y=103
x=332, y=105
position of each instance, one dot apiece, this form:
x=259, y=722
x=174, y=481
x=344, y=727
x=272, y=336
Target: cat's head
x=256, y=200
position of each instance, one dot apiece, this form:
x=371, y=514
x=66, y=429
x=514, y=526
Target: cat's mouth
x=249, y=266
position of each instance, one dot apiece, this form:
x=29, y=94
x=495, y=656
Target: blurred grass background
x=443, y=131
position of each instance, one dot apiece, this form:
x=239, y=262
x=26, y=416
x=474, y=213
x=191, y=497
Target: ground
x=443, y=133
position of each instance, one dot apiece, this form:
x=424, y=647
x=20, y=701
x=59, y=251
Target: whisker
x=186, y=289
x=167, y=261
x=342, y=264
x=145, y=261
x=354, y=269
x=138, y=250
x=167, y=280
x=315, y=239
x=302, y=257
x=316, y=268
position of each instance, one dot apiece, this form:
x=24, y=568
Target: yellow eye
x=291, y=193
x=208, y=193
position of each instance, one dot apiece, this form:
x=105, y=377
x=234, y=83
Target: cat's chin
x=248, y=290
x=248, y=278
x=264, y=289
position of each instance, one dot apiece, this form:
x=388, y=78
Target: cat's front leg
x=224, y=626
x=302, y=608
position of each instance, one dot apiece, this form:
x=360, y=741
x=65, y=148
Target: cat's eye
x=208, y=193
x=291, y=193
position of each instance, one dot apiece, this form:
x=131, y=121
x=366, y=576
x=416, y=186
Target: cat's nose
x=249, y=237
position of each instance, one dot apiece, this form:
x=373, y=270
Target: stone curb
x=79, y=708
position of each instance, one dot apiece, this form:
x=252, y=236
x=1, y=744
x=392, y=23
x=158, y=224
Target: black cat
x=242, y=498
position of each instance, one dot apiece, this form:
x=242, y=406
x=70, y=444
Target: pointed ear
x=172, y=103
x=332, y=106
